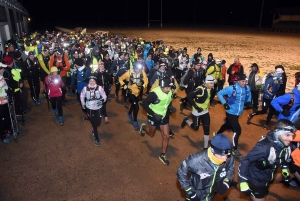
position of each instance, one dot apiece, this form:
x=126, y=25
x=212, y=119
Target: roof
x=288, y=10
x=16, y=5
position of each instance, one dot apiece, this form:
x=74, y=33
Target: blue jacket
x=271, y=87
x=284, y=100
x=118, y=67
x=145, y=53
x=149, y=64
x=80, y=80
x=241, y=98
x=255, y=166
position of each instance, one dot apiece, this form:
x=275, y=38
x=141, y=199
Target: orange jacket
x=59, y=63
x=296, y=153
x=224, y=71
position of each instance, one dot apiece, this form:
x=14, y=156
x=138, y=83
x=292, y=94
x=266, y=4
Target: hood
x=297, y=136
x=147, y=46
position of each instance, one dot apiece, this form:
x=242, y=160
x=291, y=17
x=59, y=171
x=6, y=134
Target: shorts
x=258, y=191
x=153, y=122
x=294, y=168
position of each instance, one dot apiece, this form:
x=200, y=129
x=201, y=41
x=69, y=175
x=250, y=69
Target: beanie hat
x=165, y=82
x=220, y=144
x=7, y=60
x=79, y=62
x=53, y=69
x=242, y=77
x=254, y=65
x=60, y=51
x=209, y=78
x=17, y=54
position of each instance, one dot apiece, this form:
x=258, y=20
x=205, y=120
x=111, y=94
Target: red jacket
x=53, y=86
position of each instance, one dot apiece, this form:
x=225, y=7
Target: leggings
x=205, y=119
x=95, y=119
x=265, y=106
x=56, y=103
x=34, y=85
x=232, y=122
x=134, y=108
x=5, y=122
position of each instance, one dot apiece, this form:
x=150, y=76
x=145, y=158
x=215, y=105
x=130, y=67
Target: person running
x=157, y=105
x=92, y=98
x=200, y=99
x=258, y=167
x=137, y=80
x=238, y=95
x=53, y=86
x=211, y=171
x=105, y=81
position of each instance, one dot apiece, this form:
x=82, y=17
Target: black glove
x=158, y=117
x=248, y=105
x=226, y=106
x=285, y=113
x=191, y=195
x=224, y=186
x=172, y=109
x=100, y=102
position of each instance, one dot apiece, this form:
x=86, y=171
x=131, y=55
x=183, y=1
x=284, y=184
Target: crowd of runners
x=98, y=67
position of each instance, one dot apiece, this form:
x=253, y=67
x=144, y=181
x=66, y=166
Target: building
x=14, y=19
x=287, y=19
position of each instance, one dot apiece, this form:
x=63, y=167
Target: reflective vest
x=202, y=100
x=162, y=102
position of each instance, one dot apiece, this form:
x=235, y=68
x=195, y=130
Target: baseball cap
x=209, y=78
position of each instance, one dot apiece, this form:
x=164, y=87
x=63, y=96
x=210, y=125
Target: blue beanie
x=220, y=144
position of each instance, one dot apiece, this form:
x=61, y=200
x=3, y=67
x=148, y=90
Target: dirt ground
x=49, y=162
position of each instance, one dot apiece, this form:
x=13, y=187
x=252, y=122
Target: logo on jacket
x=204, y=175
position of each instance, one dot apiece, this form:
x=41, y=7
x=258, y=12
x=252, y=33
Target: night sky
x=88, y=13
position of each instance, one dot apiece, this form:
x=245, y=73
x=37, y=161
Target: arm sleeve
x=102, y=92
x=226, y=91
x=281, y=100
x=151, y=98
x=257, y=153
x=250, y=94
x=112, y=67
x=125, y=76
x=187, y=166
x=145, y=78
x=67, y=68
x=188, y=77
x=230, y=171
x=82, y=95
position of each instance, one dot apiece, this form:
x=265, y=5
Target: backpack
x=265, y=77
x=290, y=104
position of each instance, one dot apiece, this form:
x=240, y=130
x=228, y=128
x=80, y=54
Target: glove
x=83, y=107
x=285, y=173
x=226, y=106
x=224, y=186
x=191, y=195
x=199, y=109
x=285, y=113
x=158, y=117
x=248, y=105
x=244, y=187
x=100, y=102
x=172, y=109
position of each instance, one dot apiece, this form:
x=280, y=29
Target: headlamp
x=222, y=151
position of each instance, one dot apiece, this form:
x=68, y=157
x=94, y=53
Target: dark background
x=133, y=13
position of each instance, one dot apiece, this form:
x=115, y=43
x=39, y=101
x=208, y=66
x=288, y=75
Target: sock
x=189, y=122
x=206, y=139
